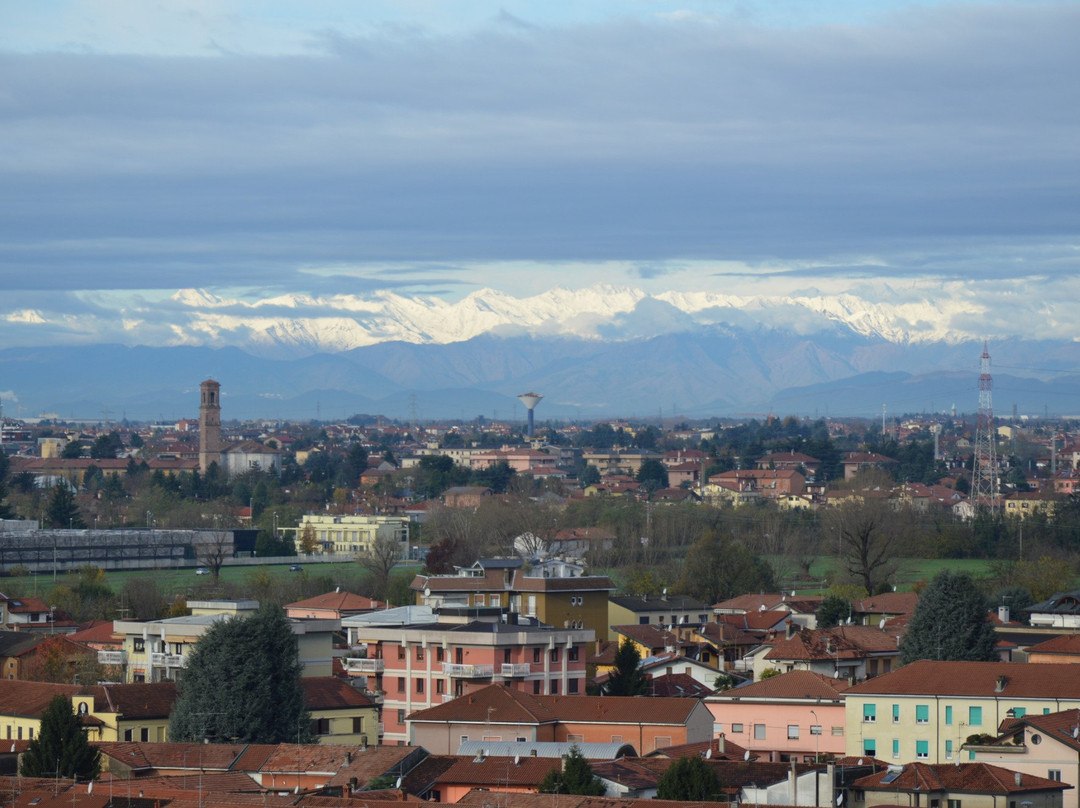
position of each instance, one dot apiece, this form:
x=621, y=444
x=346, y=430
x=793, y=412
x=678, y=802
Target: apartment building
x=925, y=711
x=457, y=651
x=350, y=535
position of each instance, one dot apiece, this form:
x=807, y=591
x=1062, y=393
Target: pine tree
x=689, y=779
x=627, y=679
x=60, y=748
x=949, y=623
x=62, y=510
x=242, y=682
x=575, y=777
x=5, y=510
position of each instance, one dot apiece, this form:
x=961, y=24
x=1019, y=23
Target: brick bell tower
x=209, y=425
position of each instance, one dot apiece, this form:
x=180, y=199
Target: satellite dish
x=398, y=783
x=836, y=674
x=859, y=762
x=427, y=591
x=840, y=799
x=665, y=591
x=746, y=755
x=881, y=624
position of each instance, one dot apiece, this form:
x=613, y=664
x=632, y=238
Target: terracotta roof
x=608, y=649
x=507, y=707
x=724, y=633
x=970, y=777
x=888, y=603
x=496, y=771
x=194, y=756
x=791, y=685
x=678, y=686
x=756, y=621
x=1029, y=680
x=731, y=751
x=477, y=798
x=840, y=642
x=339, y=602
x=421, y=779
x=1059, y=726
x=651, y=636
x=522, y=583
x=1065, y=644
x=96, y=631
x=328, y=693
x=751, y=602
x=372, y=762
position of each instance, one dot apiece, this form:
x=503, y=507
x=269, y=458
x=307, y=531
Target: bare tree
x=212, y=552
x=379, y=560
x=868, y=534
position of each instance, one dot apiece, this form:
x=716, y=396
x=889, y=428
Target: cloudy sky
x=258, y=148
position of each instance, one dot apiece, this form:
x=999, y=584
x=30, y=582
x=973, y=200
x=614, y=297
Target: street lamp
x=817, y=736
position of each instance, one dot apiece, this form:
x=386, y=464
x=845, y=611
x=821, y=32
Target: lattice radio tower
x=984, y=479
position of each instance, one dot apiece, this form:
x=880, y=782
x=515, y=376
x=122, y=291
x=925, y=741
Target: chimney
x=721, y=744
x=348, y=758
x=1003, y=613
x=1019, y=778
x=790, y=628
x=1002, y=681
x=599, y=644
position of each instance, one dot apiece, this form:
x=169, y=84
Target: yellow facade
x=352, y=535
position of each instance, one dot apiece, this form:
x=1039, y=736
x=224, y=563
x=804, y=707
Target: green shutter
x=922, y=713
x=975, y=716
x=922, y=749
x=1019, y=712
x=869, y=712
x=896, y=748
x=869, y=746
x=948, y=750
x=896, y=713
x=948, y=715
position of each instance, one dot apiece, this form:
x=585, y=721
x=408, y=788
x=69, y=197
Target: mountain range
x=601, y=352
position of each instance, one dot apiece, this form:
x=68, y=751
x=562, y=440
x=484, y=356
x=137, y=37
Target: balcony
x=468, y=671
x=168, y=660
x=516, y=669
x=363, y=665
x=112, y=657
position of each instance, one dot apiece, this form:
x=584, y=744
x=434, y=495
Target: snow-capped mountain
x=301, y=324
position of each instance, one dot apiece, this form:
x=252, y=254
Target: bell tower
x=209, y=425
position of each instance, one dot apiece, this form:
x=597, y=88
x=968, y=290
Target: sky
x=432, y=147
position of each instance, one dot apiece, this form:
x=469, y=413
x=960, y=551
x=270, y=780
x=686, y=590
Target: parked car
x=295, y=568
x=202, y=571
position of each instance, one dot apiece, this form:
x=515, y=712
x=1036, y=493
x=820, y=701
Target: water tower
x=530, y=400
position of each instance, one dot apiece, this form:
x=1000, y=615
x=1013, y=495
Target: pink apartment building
x=794, y=716
x=416, y=666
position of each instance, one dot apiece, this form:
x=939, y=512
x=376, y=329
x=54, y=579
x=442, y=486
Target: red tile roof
x=328, y=693
x=840, y=642
x=495, y=703
x=791, y=685
x=888, y=603
x=1029, y=680
x=496, y=771
x=346, y=602
x=1065, y=644
x=979, y=778
x=678, y=686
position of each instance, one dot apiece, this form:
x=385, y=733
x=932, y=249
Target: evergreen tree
x=689, y=779
x=652, y=475
x=60, y=748
x=5, y=510
x=242, y=683
x=949, y=623
x=62, y=510
x=575, y=777
x=832, y=610
x=627, y=678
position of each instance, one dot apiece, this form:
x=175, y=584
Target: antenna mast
x=984, y=481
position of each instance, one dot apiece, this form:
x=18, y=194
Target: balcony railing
x=516, y=669
x=363, y=665
x=468, y=671
x=168, y=660
x=112, y=657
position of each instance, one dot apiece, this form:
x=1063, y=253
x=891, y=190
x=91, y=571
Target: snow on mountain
x=301, y=324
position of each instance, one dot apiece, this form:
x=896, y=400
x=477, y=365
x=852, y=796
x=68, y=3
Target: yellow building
x=351, y=535
x=156, y=650
x=140, y=712
x=926, y=710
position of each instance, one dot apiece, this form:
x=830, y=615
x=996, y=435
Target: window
x=975, y=716
x=571, y=738
x=737, y=728
x=536, y=655
x=616, y=738
x=922, y=713
x=401, y=719
x=140, y=645
x=948, y=750
x=128, y=735
x=922, y=750
x=572, y=686
x=643, y=621
x=536, y=687
x=896, y=713
x=521, y=739
x=896, y=747
x=479, y=600
x=419, y=653
x=401, y=684
x=869, y=713
x=554, y=687
x=357, y=725
x=573, y=653
x=793, y=732
x=838, y=731
x=440, y=686
x=869, y=747
x=419, y=685
x=440, y=654
x=1019, y=712
x=464, y=738
x=401, y=652
x=759, y=731
x=661, y=742
x=948, y=715
x=954, y=803
x=554, y=655
x=320, y=726
x=815, y=729
x=1054, y=774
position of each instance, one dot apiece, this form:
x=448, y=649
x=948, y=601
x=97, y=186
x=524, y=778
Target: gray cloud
x=940, y=141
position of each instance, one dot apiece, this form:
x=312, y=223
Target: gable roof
x=1064, y=644
x=329, y=693
x=506, y=706
x=839, y=642
x=338, y=601
x=981, y=778
x=1030, y=680
x=495, y=771
x=637, y=603
x=888, y=603
x=791, y=685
